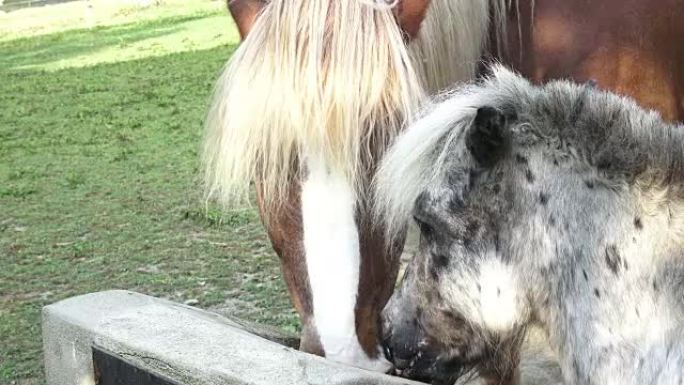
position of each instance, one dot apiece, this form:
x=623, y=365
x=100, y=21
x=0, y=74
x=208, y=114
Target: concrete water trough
x=122, y=337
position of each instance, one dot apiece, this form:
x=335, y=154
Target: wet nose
x=405, y=345
x=400, y=341
x=396, y=360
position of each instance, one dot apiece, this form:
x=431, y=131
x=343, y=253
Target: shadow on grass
x=39, y=50
x=99, y=192
x=64, y=107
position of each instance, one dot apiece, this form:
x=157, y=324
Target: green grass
x=99, y=138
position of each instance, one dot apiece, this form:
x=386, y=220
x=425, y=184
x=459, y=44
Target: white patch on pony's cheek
x=500, y=305
x=331, y=244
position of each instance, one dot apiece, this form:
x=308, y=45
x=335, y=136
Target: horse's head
x=334, y=79
x=326, y=85
x=512, y=186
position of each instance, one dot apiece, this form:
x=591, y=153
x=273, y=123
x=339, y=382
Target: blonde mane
x=450, y=43
x=333, y=80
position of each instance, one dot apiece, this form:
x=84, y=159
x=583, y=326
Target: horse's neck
x=615, y=308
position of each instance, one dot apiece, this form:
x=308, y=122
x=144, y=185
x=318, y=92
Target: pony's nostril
x=388, y=352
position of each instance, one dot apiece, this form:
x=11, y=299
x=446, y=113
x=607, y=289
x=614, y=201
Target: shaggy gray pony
x=558, y=206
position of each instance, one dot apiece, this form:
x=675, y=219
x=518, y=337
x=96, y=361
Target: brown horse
x=319, y=88
x=632, y=47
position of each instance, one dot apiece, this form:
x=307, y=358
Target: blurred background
x=102, y=106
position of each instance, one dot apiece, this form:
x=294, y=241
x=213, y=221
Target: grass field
x=100, y=126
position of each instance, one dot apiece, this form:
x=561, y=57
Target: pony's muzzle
x=400, y=348
x=405, y=344
x=401, y=335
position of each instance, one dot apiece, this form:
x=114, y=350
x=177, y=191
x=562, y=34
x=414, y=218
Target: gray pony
x=558, y=206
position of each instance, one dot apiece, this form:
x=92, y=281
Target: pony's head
x=513, y=187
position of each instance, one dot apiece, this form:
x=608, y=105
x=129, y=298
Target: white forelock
x=417, y=158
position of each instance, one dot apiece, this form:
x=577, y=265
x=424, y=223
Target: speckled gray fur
x=572, y=220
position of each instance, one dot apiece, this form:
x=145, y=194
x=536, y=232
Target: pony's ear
x=410, y=15
x=487, y=137
x=244, y=13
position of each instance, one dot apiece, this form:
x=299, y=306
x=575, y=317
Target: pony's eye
x=425, y=229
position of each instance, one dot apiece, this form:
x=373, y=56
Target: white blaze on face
x=499, y=300
x=331, y=244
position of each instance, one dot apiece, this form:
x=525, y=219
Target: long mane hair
x=332, y=80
